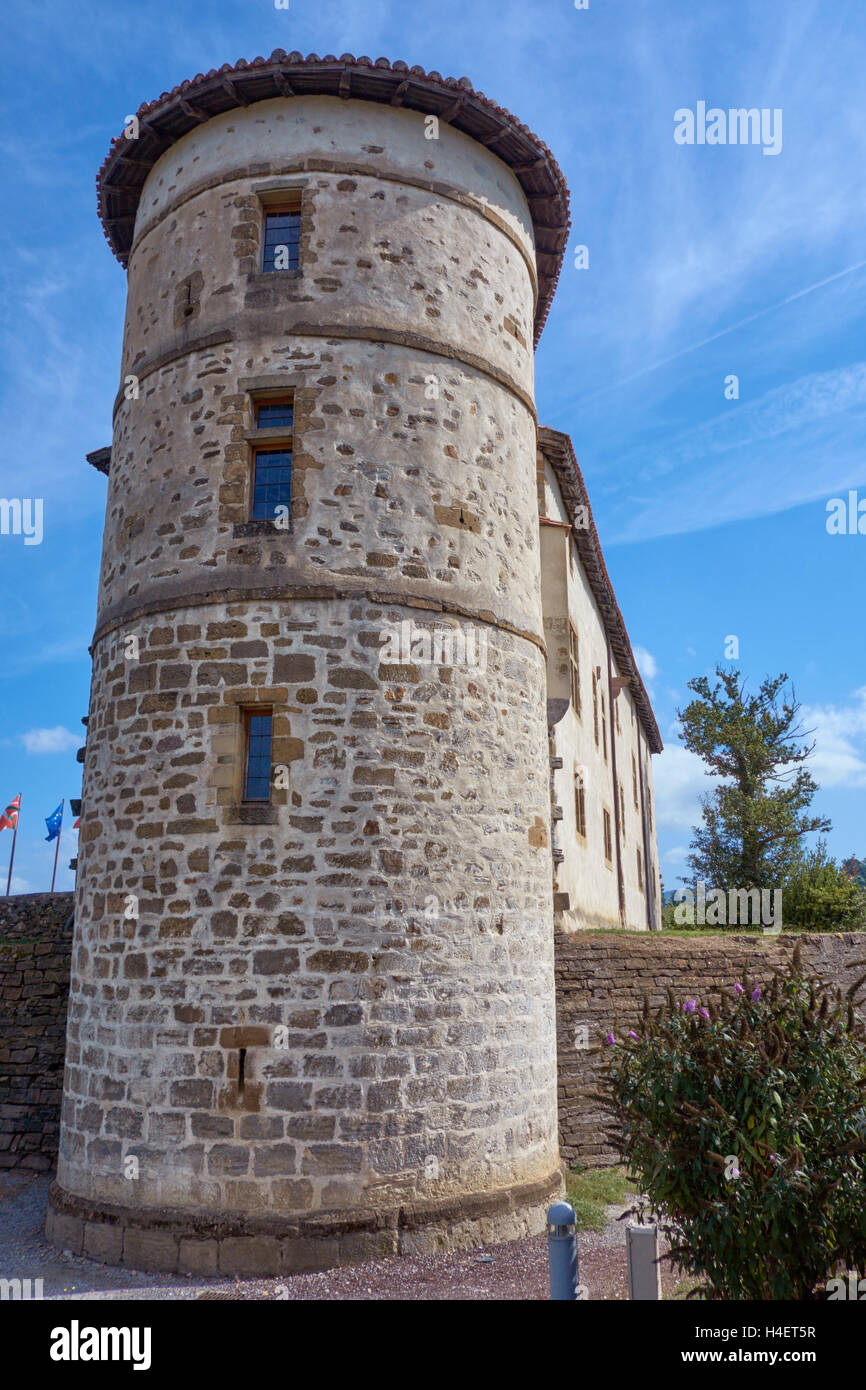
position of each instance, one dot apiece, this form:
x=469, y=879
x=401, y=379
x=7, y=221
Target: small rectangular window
x=257, y=771
x=604, y=728
x=579, y=804
x=639, y=871
x=595, y=705
x=608, y=838
x=275, y=415
x=622, y=811
x=272, y=482
x=634, y=780
x=282, y=236
x=574, y=668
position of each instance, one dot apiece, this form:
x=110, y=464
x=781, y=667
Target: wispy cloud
x=56, y=740
x=794, y=444
x=677, y=855
x=31, y=657
x=724, y=332
x=647, y=664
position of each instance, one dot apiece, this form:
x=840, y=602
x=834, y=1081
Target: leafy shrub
x=669, y=921
x=818, y=895
x=744, y=1124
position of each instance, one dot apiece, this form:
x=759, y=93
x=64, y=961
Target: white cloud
x=646, y=663
x=839, y=736
x=680, y=781
x=677, y=855
x=57, y=740
x=839, y=760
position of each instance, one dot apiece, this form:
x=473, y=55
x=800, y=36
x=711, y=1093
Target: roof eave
x=558, y=449
x=164, y=121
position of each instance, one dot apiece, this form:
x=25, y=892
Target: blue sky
x=704, y=262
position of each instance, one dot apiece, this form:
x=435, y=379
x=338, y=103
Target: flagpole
x=12, y=855
x=57, y=849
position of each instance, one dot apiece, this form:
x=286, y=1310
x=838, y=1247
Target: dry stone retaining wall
x=35, y=948
x=600, y=984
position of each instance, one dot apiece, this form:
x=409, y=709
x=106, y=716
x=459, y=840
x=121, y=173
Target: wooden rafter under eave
x=100, y=459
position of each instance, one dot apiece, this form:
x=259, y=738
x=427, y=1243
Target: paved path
x=515, y=1270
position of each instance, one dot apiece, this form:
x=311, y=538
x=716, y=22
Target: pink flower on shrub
x=610, y=1039
x=633, y=1034
x=739, y=989
x=756, y=994
x=690, y=1006
x=704, y=1013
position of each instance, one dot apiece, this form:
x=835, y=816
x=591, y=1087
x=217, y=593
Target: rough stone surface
x=35, y=950
x=379, y=933
x=601, y=981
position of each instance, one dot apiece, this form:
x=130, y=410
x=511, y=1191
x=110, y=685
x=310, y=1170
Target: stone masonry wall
x=341, y=1001
x=600, y=983
x=35, y=949
x=393, y=1010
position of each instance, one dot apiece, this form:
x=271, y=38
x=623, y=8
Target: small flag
x=53, y=823
x=9, y=818
x=76, y=823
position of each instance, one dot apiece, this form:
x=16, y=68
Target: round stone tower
x=312, y=1008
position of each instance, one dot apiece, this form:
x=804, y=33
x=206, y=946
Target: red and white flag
x=9, y=818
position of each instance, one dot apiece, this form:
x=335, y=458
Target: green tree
x=818, y=895
x=755, y=819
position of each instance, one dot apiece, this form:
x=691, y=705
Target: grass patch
x=590, y=1190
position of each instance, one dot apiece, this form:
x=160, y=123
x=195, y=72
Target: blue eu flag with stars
x=53, y=823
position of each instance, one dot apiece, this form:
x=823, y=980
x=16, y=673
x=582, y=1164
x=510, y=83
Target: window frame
x=579, y=805
x=270, y=439
x=595, y=705
x=248, y=714
x=574, y=668
x=607, y=833
x=287, y=204
x=286, y=399
x=260, y=452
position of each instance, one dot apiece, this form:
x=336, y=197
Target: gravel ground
x=514, y=1270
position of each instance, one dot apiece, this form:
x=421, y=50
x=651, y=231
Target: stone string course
x=35, y=949
x=600, y=983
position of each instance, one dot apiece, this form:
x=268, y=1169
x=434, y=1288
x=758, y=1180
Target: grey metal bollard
x=562, y=1251
x=644, y=1273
